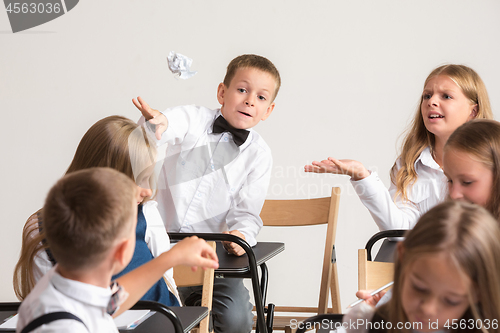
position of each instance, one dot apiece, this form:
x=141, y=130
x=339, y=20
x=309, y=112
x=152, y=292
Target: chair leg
x=270, y=317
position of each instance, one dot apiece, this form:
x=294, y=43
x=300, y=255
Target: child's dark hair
x=85, y=212
x=252, y=61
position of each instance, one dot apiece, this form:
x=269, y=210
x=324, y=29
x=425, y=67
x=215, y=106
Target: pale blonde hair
x=481, y=139
x=469, y=235
x=418, y=137
x=115, y=142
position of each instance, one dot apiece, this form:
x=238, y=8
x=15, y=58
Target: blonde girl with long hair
x=121, y=144
x=452, y=95
x=446, y=278
x=472, y=164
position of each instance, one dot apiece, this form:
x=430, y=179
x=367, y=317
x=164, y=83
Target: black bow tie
x=239, y=135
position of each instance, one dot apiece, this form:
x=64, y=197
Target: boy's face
x=248, y=99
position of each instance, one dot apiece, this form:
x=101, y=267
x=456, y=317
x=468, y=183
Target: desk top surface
x=263, y=251
x=157, y=322
x=386, y=251
x=191, y=315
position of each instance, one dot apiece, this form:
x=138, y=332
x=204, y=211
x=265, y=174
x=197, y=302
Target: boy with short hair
x=217, y=172
x=90, y=218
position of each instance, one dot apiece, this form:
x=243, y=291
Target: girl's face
x=433, y=292
x=468, y=179
x=143, y=186
x=445, y=107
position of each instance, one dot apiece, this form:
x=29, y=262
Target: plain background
x=352, y=75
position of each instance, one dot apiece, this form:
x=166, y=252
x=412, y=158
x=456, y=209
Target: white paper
x=130, y=319
x=180, y=64
x=10, y=323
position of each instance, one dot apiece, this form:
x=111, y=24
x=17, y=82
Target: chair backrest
x=374, y=274
x=307, y=212
x=185, y=277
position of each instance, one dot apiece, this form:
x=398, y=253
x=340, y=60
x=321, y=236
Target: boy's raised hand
x=352, y=168
x=234, y=248
x=153, y=116
x=195, y=252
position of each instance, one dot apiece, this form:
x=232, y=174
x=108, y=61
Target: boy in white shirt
x=90, y=218
x=217, y=172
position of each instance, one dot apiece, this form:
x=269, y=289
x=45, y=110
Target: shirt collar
x=82, y=292
x=426, y=159
x=211, y=128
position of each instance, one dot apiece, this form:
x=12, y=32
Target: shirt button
x=226, y=138
x=199, y=195
x=183, y=162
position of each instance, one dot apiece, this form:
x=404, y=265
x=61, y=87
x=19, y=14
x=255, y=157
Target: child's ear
x=221, y=90
x=473, y=112
x=268, y=111
x=120, y=254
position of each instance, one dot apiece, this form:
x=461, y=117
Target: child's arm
x=352, y=168
x=190, y=251
x=153, y=116
x=388, y=210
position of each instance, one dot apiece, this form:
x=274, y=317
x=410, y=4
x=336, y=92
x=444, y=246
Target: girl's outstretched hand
x=352, y=168
x=152, y=116
x=195, y=252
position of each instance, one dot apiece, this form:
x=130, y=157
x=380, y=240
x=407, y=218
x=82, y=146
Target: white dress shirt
x=207, y=183
x=429, y=189
x=54, y=293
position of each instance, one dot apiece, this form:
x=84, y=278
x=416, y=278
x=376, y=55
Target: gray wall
x=352, y=75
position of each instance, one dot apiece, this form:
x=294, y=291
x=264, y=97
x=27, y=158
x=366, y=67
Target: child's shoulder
x=259, y=143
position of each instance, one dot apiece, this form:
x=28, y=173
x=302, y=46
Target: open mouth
x=435, y=116
x=244, y=113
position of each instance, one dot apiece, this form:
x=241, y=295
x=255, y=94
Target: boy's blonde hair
x=115, y=142
x=481, y=139
x=418, y=137
x=253, y=61
x=469, y=235
x=85, y=213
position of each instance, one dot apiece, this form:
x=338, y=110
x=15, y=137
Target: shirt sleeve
x=182, y=122
x=388, y=213
x=356, y=319
x=244, y=215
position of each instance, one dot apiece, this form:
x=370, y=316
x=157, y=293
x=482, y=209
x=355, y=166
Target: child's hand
x=234, y=248
x=352, y=168
x=153, y=116
x=369, y=299
x=195, y=252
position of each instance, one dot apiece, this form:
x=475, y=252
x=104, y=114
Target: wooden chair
x=185, y=277
x=374, y=274
x=307, y=212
